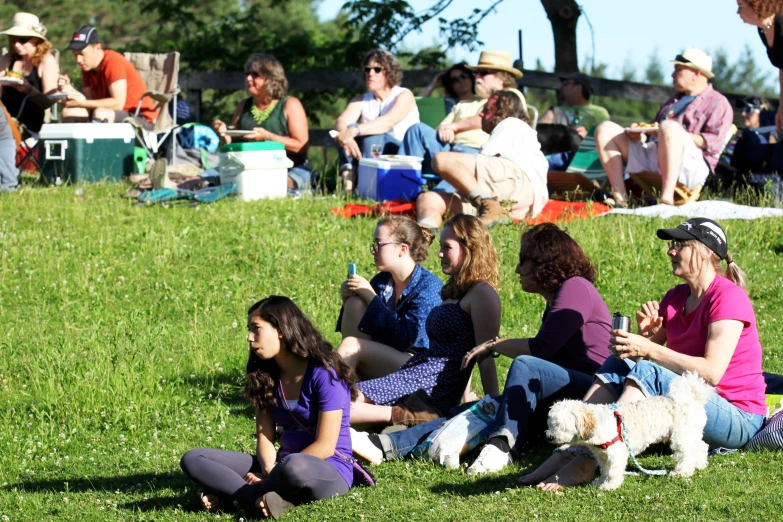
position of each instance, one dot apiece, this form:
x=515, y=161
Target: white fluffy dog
x=678, y=418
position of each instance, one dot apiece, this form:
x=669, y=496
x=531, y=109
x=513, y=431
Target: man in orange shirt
x=111, y=86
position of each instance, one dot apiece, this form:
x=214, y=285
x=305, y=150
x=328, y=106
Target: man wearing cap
x=576, y=112
x=461, y=131
x=111, y=86
x=562, y=128
x=693, y=127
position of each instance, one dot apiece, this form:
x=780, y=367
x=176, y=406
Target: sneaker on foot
x=490, y=460
x=364, y=448
x=490, y=211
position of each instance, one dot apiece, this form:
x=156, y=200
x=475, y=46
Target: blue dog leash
x=623, y=436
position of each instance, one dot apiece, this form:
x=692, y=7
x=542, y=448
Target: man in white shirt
x=510, y=167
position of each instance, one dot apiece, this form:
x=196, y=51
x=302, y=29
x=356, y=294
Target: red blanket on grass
x=553, y=211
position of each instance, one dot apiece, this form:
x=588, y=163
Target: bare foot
x=545, y=470
x=209, y=502
x=261, y=507
x=578, y=471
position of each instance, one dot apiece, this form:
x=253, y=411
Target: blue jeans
x=422, y=141
x=301, y=176
x=534, y=384
x=531, y=383
x=727, y=426
x=9, y=174
x=389, y=145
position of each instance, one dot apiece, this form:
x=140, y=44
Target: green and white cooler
x=85, y=152
x=259, y=169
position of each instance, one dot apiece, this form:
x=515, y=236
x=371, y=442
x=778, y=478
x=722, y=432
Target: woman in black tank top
x=29, y=58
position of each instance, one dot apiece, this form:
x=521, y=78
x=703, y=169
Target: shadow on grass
x=778, y=249
x=145, y=484
x=479, y=486
x=230, y=389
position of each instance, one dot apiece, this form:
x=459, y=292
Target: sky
x=626, y=31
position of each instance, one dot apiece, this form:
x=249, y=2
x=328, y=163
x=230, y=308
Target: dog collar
x=618, y=437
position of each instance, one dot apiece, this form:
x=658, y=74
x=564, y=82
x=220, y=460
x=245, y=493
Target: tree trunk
x=563, y=15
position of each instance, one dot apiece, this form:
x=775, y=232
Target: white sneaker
x=490, y=460
x=364, y=448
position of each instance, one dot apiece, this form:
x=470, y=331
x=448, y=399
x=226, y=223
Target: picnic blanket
x=167, y=196
x=553, y=211
x=716, y=210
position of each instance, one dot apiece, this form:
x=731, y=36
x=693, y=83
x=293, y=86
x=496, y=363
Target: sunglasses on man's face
x=376, y=70
x=483, y=72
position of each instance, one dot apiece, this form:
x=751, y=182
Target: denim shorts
x=727, y=426
x=301, y=175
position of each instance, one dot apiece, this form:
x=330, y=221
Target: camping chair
x=584, y=175
x=650, y=182
x=160, y=73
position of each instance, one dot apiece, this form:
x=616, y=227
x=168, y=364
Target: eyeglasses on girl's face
x=376, y=245
x=458, y=78
x=376, y=70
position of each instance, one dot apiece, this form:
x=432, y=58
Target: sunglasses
x=675, y=245
x=21, y=39
x=377, y=70
x=750, y=110
x=375, y=246
x=483, y=72
x=254, y=75
x=459, y=78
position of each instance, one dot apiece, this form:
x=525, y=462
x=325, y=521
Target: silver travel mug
x=621, y=322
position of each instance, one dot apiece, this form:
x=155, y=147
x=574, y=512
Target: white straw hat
x=696, y=59
x=26, y=24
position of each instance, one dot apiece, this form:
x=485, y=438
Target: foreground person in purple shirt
x=291, y=371
x=693, y=129
x=559, y=362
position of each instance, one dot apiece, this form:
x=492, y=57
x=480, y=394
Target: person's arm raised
x=118, y=92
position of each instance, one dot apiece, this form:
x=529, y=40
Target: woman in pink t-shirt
x=708, y=326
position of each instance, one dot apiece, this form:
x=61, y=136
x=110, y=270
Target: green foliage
x=123, y=347
x=743, y=76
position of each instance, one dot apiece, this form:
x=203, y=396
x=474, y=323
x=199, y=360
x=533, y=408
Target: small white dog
x=678, y=418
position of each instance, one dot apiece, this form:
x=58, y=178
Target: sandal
x=275, y=504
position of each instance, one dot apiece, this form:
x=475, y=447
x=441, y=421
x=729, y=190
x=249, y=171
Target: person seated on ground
x=383, y=321
x=377, y=120
x=29, y=55
x=509, y=167
x=423, y=141
x=693, y=126
x=563, y=127
x=111, y=86
x=558, y=363
x=296, y=382
x=707, y=325
x=9, y=173
x=459, y=83
x=432, y=381
x=272, y=115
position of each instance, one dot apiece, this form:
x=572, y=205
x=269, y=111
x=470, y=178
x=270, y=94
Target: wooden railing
x=195, y=82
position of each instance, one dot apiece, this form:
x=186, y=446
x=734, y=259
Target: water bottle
x=621, y=322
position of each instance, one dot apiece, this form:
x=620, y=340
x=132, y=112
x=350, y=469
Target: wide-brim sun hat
x=704, y=230
x=496, y=61
x=696, y=59
x=26, y=24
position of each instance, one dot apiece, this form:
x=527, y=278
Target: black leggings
x=298, y=478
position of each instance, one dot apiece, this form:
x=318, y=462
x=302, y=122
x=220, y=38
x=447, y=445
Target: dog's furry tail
x=689, y=387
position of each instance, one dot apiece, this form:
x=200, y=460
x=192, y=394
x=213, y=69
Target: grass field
x=123, y=346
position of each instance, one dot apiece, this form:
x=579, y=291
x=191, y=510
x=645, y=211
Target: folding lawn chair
x=584, y=175
x=160, y=73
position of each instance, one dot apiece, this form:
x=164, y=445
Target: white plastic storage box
x=74, y=152
x=385, y=179
x=258, y=169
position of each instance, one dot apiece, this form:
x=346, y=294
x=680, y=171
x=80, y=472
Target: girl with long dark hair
x=295, y=381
